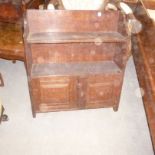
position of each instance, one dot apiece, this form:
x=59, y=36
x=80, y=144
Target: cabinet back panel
x=75, y=52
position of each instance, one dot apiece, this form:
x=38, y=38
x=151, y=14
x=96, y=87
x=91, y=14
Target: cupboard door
x=55, y=93
x=101, y=91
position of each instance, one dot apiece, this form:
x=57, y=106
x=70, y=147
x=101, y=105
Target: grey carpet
x=85, y=132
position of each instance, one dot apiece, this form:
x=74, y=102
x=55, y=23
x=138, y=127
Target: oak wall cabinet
x=75, y=59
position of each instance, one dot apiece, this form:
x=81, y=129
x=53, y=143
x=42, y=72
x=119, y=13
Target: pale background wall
x=83, y=4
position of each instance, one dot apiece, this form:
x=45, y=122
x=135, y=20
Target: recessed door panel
x=100, y=91
x=56, y=93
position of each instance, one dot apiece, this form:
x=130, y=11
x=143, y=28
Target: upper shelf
x=62, y=26
x=76, y=37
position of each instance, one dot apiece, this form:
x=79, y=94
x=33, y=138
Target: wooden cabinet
x=75, y=59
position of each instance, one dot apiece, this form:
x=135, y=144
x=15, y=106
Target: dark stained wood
x=31, y=4
x=94, y=25
x=144, y=57
x=11, y=25
x=9, y=13
x=73, y=53
x=103, y=90
x=54, y=93
x=93, y=21
x=76, y=63
x=11, y=42
x=150, y=4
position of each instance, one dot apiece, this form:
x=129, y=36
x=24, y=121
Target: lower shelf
x=74, y=69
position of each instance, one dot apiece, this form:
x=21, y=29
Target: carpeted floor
x=85, y=132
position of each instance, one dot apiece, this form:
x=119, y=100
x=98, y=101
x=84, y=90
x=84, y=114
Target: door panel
x=101, y=90
x=56, y=93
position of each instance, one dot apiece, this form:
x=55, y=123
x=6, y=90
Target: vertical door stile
x=82, y=86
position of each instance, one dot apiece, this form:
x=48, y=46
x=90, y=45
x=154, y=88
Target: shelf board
x=65, y=37
x=74, y=69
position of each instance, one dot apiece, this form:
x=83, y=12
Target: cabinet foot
x=115, y=108
x=13, y=61
x=34, y=114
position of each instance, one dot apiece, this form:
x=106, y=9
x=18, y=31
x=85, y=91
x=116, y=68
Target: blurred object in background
x=83, y=5
x=11, y=24
x=151, y=14
x=1, y=81
x=12, y=10
x=3, y=117
x=9, y=12
x=130, y=1
x=149, y=7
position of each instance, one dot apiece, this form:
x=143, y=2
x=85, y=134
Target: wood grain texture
x=80, y=63
x=144, y=58
x=150, y=4
x=92, y=21
x=11, y=29
x=9, y=13
x=11, y=42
